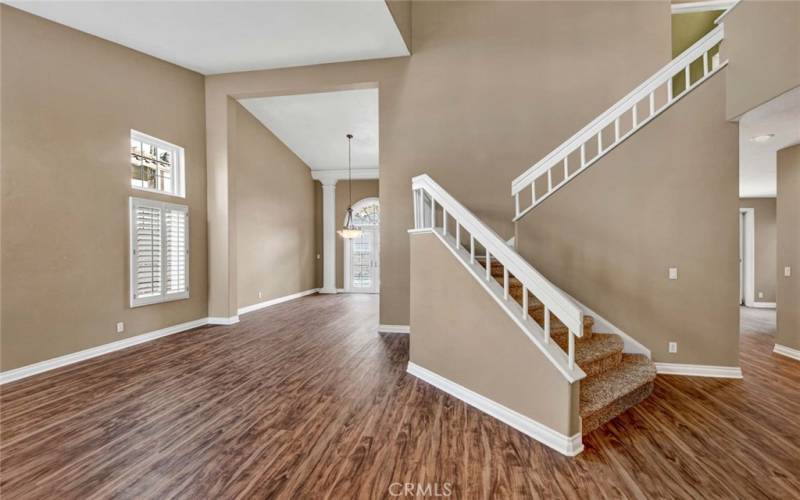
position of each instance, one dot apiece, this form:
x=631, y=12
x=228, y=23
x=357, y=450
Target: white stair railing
x=608, y=130
x=465, y=234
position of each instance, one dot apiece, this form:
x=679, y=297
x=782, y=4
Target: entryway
x=362, y=254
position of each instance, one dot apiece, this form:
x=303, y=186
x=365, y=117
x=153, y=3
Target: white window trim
x=180, y=168
x=163, y=206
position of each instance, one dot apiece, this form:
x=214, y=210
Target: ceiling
x=314, y=126
x=213, y=37
x=757, y=162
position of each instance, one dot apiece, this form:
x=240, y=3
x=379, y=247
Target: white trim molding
x=701, y=6
x=223, y=321
x=764, y=305
x=272, y=302
x=748, y=258
x=75, y=357
x=394, y=328
x=787, y=351
x=698, y=370
x=566, y=445
x=342, y=174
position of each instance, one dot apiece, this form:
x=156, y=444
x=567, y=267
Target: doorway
x=747, y=247
x=362, y=254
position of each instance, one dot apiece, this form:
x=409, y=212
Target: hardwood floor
x=305, y=400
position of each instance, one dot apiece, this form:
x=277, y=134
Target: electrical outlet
x=673, y=347
x=318, y=256
x=120, y=327
x=787, y=271
x=259, y=295
x=760, y=295
x=673, y=273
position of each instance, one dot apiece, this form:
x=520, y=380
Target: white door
x=363, y=253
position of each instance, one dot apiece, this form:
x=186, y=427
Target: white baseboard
x=763, y=305
x=698, y=370
x=394, y=329
x=272, y=302
x=567, y=445
x=214, y=320
x=68, y=359
x=787, y=351
x=328, y=290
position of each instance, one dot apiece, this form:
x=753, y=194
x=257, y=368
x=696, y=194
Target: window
x=159, y=252
x=156, y=165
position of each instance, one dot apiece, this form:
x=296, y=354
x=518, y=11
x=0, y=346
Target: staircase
x=611, y=380
x=614, y=381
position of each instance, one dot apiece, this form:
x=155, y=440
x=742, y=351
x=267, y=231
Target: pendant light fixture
x=349, y=230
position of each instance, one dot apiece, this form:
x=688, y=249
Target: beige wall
x=667, y=197
x=761, y=40
x=483, y=97
x=765, y=241
x=274, y=200
x=460, y=333
x=69, y=101
x=789, y=247
x=401, y=13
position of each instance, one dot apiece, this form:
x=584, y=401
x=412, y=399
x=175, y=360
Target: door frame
x=346, y=253
x=748, y=274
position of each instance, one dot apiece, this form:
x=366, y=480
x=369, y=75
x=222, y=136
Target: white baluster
x=669, y=90
x=444, y=221
x=652, y=103
x=458, y=233
x=549, y=180
x=533, y=193
x=571, y=349
x=516, y=204
x=583, y=155
x=635, y=116
x=546, y=325
x=488, y=265
x=616, y=129
x=415, y=200
x=524, y=302
x=471, y=249
x=505, y=282
x=566, y=167
x=705, y=63
x=600, y=142
x=688, y=78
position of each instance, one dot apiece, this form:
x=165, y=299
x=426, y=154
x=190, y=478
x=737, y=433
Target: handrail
x=611, y=116
x=554, y=301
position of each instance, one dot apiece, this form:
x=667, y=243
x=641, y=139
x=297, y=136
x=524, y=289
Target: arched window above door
x=366, y=212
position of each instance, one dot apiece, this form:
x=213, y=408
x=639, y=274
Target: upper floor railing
x=471, y=240
x=619, y=122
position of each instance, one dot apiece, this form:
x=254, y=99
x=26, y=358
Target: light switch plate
x=673, y=273
x=673, y=347
x=787, y=271
x=120, y=327
x=760, y=295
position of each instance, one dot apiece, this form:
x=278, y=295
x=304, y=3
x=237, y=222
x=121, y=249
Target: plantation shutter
x=159, y=252
x=177, y=250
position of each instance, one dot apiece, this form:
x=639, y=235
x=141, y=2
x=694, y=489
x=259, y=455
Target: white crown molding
x=698, y=370
x=332, y=176
x=566, y=445
x=68, y=359
x=787, y=351
x=701, y=6
x=214, y=320
x=272, y=302
x=394, y=328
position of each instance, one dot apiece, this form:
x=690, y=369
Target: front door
x=363, y=272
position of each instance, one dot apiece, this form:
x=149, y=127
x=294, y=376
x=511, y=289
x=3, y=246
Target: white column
x=328, y=236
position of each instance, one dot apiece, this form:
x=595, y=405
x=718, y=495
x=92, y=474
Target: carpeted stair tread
x=596, y=354
x=602, y=391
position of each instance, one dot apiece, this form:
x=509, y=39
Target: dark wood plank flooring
x=305, y=400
